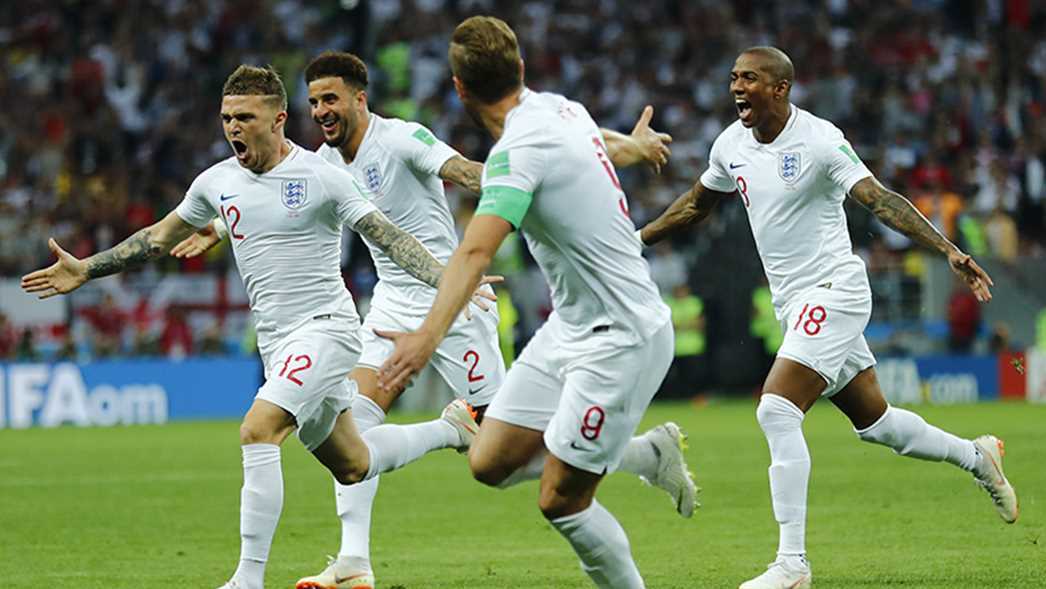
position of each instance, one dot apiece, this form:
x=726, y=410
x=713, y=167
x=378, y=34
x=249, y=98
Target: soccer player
x=792, y=171
x=284, y=208
x=583, y=382
x=403, y=165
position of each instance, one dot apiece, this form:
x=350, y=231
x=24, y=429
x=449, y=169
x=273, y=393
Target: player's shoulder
x=218, y=171
x=398, y=135
x=536, y=121
x=729, y=138
x=328, y=154
x=817, y=130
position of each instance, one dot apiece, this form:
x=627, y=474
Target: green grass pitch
x=158, y=507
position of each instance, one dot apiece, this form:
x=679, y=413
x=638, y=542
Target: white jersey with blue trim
x=285, y=226
x=793, y=190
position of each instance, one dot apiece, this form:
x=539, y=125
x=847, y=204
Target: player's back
x=285, y=230
x=399, y=163
x=793, y=190
x=577, y=224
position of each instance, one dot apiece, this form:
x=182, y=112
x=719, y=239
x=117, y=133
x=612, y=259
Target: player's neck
x=277, y=156
x=493, y=115
x=350, y=148
x=774, y=124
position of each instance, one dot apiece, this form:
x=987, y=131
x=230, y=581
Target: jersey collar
x=793, y=116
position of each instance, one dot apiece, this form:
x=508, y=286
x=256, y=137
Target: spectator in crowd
x=107, y=322
x=8, y=338
x=964, y=319
x=107, y=111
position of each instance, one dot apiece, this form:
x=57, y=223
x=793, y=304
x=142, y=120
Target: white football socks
x=393, y=446
x=782, y=423
x=909, y=435
x=601, y=544
x=261, y=501
x=355, y=502
x=640, y=458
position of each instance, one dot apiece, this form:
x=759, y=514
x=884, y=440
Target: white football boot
x=990, y=477
x=673, y=475
x=787, y=572
x=344, y=572
x=460, y=414
x=233, y=584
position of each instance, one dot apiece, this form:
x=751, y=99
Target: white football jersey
x=285, y=227
x=793, y=190
x=550, y=176
x=399, y=163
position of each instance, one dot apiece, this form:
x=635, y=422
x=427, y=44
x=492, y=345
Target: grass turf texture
x=158, y=507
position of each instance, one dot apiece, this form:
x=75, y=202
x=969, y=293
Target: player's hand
x=410, y=355
x=972, y=274
x=482, y=295
x=65, y=275
x=653, y=146
x=197, y=243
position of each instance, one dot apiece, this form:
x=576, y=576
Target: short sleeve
x=716, y=177
x=195, y=209
x=842, y=165
x=510, y=177
x=425, y=153
x=348, y=196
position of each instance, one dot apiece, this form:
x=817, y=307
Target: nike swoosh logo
x=474, y=391
x=579, y=448
x=224, y=198
x=734, y=166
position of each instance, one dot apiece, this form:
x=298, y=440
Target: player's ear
x=279, y=120
x=781, y=90
x=459, y=87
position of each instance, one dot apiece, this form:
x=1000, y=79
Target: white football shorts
x=306, y=374
x=824, y=331
x=469, y=357
x=587, y=401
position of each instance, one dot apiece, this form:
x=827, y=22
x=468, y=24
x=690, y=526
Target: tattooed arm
x=69, y=273
x=691, y=207
x=898, y=213
x=406, y=251
x=463, y=172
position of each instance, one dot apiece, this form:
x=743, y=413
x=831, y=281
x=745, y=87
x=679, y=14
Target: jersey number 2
x=474, y=357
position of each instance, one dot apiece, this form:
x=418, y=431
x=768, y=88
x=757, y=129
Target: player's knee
x=554, y=505
x=349, y=474
x=486, y=471
x=252, y=433
x=777, y=414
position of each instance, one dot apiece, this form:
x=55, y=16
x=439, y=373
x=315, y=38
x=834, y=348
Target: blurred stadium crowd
x=110, y=109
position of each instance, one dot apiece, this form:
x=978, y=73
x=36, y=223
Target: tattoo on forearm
x=465, y=173
x=898, y=213
x=406, y=251
x=133, y=251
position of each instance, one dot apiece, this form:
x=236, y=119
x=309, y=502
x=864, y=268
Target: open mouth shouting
x=744, y=110
x=240, y=148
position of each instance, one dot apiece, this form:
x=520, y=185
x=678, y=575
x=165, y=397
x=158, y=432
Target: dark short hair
x=775, y=62
x=338, y=64
x=484, y=55
x=248, y=80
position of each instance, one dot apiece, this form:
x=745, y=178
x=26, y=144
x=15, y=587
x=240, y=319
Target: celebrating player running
x=583, y=382
x=792, y=171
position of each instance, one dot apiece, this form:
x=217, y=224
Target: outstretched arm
x=463, y=273
x=898, y=213
x=463, y=172
x=69, y=273
x=642, y=145
x=691, y=207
